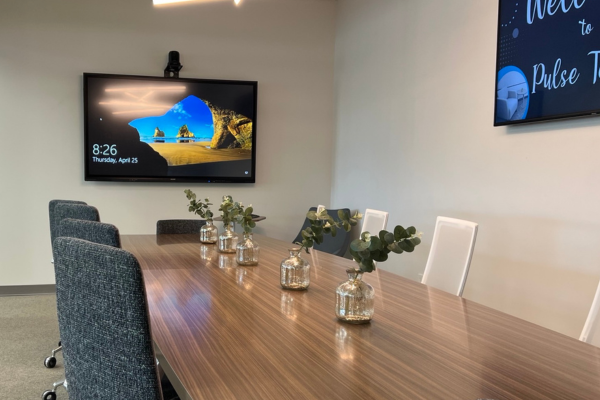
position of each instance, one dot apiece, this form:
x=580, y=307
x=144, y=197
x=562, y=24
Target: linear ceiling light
x=157, y=2
x=162, y=2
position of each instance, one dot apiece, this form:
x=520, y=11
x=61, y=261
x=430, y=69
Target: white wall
x=414, y=110
x=46, y=46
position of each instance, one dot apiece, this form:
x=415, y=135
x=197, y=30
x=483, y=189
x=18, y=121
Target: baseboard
x=27, y=290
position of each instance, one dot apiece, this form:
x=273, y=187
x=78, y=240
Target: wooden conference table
x=231, y=332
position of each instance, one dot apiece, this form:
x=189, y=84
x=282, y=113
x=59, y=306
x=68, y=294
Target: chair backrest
x=103, y=322
x=92, y=231
x=588, y=334
x=450, y=256
x=52, y=214
x=179, y=226
x=374, y=221
x=337, y=245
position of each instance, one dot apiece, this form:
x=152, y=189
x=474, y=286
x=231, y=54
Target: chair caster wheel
x=50, y=362
x=59, y=343
x=48, y=395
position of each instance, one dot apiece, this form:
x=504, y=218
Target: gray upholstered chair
x=59, y=210
x=53, y=219
x=337, y=245
x=92, y=231
x=179, y=226
x=50, y=362
x=103, y=322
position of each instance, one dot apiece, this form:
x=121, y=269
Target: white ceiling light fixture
x=166, y=2
x=159, y=2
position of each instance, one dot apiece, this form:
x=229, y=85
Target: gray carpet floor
x=28, y=333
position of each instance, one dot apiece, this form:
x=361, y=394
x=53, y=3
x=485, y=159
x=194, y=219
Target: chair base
x=51, y=394
x=50, y=362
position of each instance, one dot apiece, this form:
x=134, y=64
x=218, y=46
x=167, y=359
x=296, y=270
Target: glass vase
x=228, y=240
x=295, y=271
x=209, y=233
x=355, y=299
x=247, y=251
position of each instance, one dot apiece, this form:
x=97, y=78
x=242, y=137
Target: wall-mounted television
x=547, y=60
x=140, y=128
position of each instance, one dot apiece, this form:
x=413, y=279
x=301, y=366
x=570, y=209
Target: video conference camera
x=173, y=66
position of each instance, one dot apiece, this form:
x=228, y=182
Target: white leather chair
x=374, y=221
x=450, y=256
x=591, y=324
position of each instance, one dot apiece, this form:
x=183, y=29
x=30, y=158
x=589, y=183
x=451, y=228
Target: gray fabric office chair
x=96, y=232
x=50, y=362
x=92, y=231
x=52, y=213
x=337, y=245
x=179, y=226
x=103, y=322
x=59, y=210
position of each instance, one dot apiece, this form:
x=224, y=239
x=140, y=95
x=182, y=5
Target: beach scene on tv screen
x=195, y=131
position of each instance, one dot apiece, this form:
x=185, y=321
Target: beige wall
x=46, y=46
x=414, y=111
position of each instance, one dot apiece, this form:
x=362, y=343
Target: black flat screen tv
x=140, y=128
x=547, y=60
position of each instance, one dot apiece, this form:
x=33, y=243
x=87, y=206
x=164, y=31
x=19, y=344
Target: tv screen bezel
x=579, y=114
x=133, y=178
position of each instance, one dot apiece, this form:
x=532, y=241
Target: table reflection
x=207, y=252
x=288, y=306
x=343, y=339
x=227, y=261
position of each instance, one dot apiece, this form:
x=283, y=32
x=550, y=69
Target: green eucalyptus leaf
x=382, y=235
x=395, y=248
x=359, y=245
x=365, y=254
x=381, y=257
x=406, y=245
x=400, y=233
x=389, y=238
x=375, y=243
x=312, y=215
x=318, y=238
x=411, y=230
x=367, y=266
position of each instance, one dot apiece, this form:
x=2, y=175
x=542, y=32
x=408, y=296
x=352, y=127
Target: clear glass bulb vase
x=228, y=240
x=247, y=251
x=295, y=271
x=209, y=234
x=355, y=299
